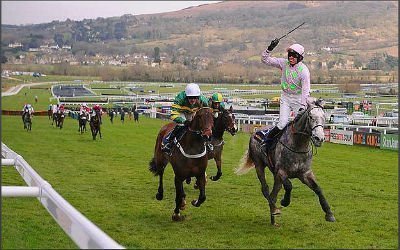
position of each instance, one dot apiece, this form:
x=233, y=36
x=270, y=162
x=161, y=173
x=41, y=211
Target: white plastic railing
x=83, y=232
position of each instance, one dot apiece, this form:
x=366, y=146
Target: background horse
x=224, y=122
x=60, y=119
x=54, y=120
x=82, y=119
x=112, y=114
x=291, y=157
x=27, y=118
x=136, y=116
x=188, y=158
x=95, y=125
x=50, y=113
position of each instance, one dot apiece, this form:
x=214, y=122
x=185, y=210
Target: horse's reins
x=199, y=133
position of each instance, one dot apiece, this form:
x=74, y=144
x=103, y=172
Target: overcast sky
x=34, y=12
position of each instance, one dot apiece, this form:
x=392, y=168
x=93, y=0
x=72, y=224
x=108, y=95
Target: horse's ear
x=310, y=101
x=231, y=109
x=320, y=103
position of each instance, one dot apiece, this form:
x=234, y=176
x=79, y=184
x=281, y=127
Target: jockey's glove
x=273, y=44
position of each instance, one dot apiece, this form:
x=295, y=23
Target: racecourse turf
x=108, y=181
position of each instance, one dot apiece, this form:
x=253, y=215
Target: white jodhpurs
x=288, y=103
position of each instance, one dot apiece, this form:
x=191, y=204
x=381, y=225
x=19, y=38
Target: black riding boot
x=272, y=136
x=166, y=145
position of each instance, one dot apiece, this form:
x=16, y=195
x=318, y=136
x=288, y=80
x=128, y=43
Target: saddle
x=178, y=136
x=262, y=137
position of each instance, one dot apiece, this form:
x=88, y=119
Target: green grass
x=108, y=181
x=16, y=102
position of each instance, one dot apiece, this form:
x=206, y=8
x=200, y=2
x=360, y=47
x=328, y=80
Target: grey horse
x=290, y=157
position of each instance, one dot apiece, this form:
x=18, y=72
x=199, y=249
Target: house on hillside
x=15, y=45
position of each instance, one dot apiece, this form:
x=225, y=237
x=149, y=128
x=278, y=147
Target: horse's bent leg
x=265, y=191
x=100, y=132
x=218, y=162
x=201, y=182
x=310, y=181
x=287, y=185
x=176, y=216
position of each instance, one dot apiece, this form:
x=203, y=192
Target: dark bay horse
x=136, y=116
x=290, y=158
x=95, y=125
x=224, y=122
x=188, y=158
x=82, y=120
x=60, y=116
x=27, y=118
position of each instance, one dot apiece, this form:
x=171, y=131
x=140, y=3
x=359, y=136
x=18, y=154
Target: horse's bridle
x=203, y=131
x=308, y=134
x=231, y=129
x=307, y=112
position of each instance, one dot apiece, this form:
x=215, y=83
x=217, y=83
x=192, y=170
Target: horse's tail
x=153, y=166
x=246, y=164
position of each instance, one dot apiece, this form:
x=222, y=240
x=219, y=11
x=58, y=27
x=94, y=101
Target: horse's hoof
x=215, y=178
x=276, y=225
x=330, y=218
x=285, y=203
x=276, y=211
x=178, y=217
x=195, y=203
x=159, y=196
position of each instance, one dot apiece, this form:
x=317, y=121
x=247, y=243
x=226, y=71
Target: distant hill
x=233, y=32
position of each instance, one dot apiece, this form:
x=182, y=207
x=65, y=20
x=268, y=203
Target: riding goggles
x=293, y=54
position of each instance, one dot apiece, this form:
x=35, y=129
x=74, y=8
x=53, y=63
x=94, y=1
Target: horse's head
x=203, y=122
x=228, y=121
x=312, y=120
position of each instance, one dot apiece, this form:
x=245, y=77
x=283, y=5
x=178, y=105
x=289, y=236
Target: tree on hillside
x=157, y=58
x=59, y=39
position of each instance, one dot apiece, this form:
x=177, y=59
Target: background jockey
x=61, y=108
x=97, y=109
x=84, y=109
x=27, y=109
x=55, y=108
x=217, y=103
x=186, y=103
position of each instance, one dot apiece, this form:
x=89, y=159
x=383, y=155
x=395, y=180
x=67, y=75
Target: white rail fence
x=83, y=232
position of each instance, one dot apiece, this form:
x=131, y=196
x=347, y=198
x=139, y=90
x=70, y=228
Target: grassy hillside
x=229, y=29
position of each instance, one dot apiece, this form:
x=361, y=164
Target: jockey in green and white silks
x=295, y=82
x=185, y=105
